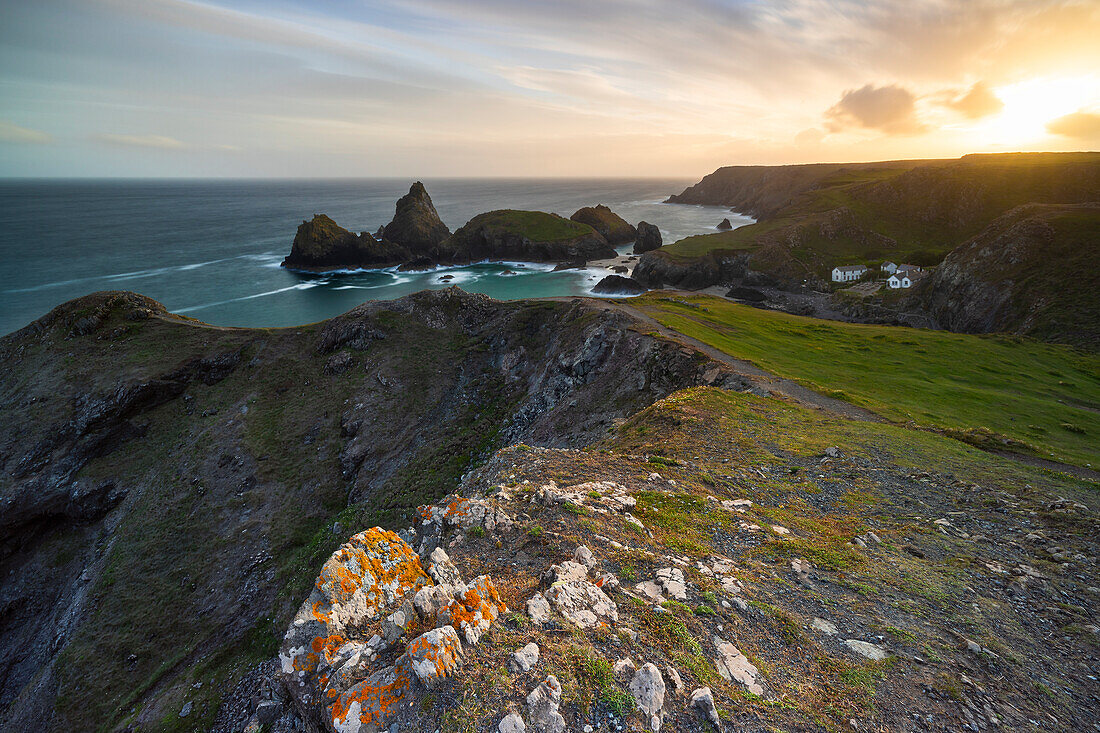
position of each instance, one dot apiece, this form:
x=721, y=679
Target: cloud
x=1081, y=125
x=891, y=109
x=978, y=102
x=141, y=141
x=12, y=133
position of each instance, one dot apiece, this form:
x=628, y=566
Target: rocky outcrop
x=724, y=225
x=1030, y=272
x=610, y=225
x=416, y=225
x=648, y=239
x=618, y=285
x=654, y=270
x=524, y=235
x=322, y=244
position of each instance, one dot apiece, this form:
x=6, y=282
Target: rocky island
x=416, y=237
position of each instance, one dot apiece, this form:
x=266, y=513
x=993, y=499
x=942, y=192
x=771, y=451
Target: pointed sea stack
x=416, y=225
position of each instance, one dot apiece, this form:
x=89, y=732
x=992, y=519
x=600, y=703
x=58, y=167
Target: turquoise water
x=211, y=249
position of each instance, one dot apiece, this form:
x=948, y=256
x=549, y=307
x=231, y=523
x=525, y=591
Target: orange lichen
x=375, y=701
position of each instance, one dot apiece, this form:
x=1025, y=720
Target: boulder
x=649, y=238
x=724, y=225
x=583, y=603
x=538, y=609
x=618, y=285
x=610, y=225
x=471, y=612
x=511, y=723
x=748, y=295
x=416, y=225
x=866, y=649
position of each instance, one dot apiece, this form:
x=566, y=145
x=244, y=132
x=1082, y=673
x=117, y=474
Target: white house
x=889, y=267
x=899, y=279
x=848, y=273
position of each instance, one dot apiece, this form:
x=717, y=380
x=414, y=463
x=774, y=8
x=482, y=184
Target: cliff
x=1032, y=272
x=524, y=235
x=449, y=513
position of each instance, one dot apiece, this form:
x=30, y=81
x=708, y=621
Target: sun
x=1030, y=105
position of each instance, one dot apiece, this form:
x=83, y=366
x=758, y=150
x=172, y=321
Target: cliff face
x=167, y=486
x=1032, y=272
x=524, y=235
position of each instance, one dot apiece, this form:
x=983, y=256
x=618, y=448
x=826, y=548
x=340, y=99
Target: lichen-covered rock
x=365, y=580
x=369, y=706
x=601, y=497
x=442, y=570
x=435, y=654
x=474, y=610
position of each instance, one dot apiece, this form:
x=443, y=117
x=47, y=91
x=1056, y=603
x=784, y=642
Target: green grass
x=1007, y=387
x=537, y=226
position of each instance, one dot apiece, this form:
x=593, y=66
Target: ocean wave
x=124, y=276
x=297, y=286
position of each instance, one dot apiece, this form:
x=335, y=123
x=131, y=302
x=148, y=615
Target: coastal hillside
x=814, y=218
x=1032, y=271
x=451, y=513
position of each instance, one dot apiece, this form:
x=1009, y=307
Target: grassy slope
x=1041, y=395
x=935, y=209
x=538, y=226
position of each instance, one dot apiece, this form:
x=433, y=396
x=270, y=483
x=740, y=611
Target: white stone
x=674, y=680
x=866, y=649
x=780, y=530
x=524, y=658
x=584, y=556
x=538, y=609
x=648, y=689
x=583, y=603
x=735, y=667
x=542, y=707
x=825, y=627
x=702, y=699
x=512, y=723
x=624, y=667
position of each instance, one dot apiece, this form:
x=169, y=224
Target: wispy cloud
x=141, y=141
x=13, y=133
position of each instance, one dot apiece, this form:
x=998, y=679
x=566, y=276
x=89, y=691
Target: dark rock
x=416, y=225
x=610, y=225
x=572, y=265
x=417, y=264
x=618, y=285
x=322, y=244
x=648, y=239
x=655, y=271
x=725, y=225
x=746, y=294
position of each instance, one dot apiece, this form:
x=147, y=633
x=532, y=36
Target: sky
x=433, y=88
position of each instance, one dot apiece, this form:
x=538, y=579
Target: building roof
x=850, y=268
x=899, y=275
x=908, y=267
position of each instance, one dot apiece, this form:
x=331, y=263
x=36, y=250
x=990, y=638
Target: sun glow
x=1030, y=105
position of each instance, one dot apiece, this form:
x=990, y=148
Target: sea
x=211, y=249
